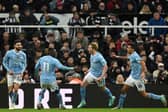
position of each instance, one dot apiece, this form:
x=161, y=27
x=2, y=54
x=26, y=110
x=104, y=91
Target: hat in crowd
x=80, y=31
x=81, y=50
x=160, y=64
x=111, y=14
x=123, y=34
x=59, y=3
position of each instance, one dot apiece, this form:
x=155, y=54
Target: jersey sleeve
x=138, y=58
x=102, y=60
x=24, y=62
x=59, y=65
x=37, y=66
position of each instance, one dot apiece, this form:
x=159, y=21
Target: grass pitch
x=91, y=110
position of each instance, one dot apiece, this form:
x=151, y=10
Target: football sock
x=108, y=92
x=41, y=95
x=121, y=100
x=83, y=93
x=154, y=96
x=58, y=95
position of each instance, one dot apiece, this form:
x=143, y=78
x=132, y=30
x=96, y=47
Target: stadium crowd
x=71, y=48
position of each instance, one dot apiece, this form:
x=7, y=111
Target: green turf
x=91, y=110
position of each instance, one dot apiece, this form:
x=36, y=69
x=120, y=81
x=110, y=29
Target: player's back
x=48, y=67
x=135, y=65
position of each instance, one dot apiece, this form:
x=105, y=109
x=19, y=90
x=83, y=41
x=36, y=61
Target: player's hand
x=115, y=56
x=10, y=72
x=76, y=68
x=99, y=79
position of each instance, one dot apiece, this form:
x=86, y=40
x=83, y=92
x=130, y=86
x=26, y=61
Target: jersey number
x=46, y=67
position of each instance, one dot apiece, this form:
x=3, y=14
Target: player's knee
x=144, y=94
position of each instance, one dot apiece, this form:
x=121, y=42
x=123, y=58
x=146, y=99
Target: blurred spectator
x=60, y=7
x=2, y=72
x=80, y=37
x=153, y=64
x=73, y=77
x=165, y=56
x=119, y=79
x=6, y=39
x=28, y=18
x=76, y=20
x=27, y=78
x=113, y=19
x=2, y=8
x=84, y=12
x=159, y=9
x=160, y=75
x=25, y=42
x=85, y=70
x=15, y=8
x=113, y=71
x=70, y=62
x=124, y=40
x=157, y=20
x=145, y=9
x=114, y=5
x=130, y=7
x=47, y=19
x=12, y=20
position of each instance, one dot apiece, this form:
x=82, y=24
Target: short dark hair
x=51, y=52
x=17, y=41
x=133, y=45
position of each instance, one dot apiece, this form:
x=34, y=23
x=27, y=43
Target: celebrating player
x=97, y=73
x=47, y=66
x=15, y=63
x=138, y=70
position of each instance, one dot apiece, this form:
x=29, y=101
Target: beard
x=18, y=48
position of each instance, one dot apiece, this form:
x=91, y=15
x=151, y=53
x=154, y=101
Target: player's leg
x=123, y=95
x=54, y=88
x=102, y=86
x=16, y=85
x=128, y=83
x=41, y=94
x=87, y=79
x=141, y=88
x=10, y=80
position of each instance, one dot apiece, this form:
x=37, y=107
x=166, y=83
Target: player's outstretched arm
x=120, y=57
x=63, y=67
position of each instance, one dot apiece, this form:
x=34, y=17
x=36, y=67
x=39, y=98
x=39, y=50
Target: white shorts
x=11, y=79
x=133, y=82
x=52, y=86
x=91, y=78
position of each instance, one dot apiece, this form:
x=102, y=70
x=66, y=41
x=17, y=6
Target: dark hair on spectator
x=133, y=45
x=17, y=41
x=51, y=52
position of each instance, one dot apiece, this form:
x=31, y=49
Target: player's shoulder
x=10, y=52
x=21, y=52
x=99, y=55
